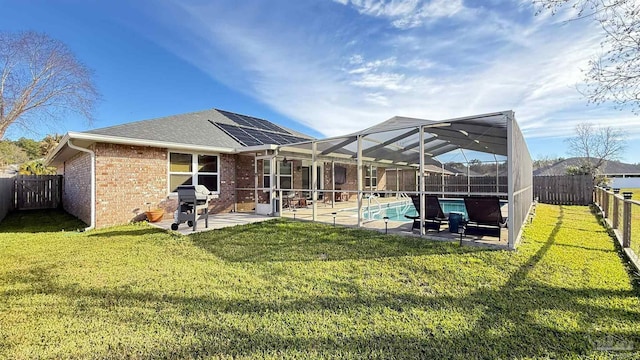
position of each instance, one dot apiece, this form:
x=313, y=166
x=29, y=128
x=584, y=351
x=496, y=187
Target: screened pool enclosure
x=359, y=176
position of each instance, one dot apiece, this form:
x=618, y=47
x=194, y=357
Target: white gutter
x=142, y=142
x=93, y=182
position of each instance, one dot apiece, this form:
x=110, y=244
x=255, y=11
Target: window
x=266, y=173
x=193, y=169
x=371, y=177
x=286, y=175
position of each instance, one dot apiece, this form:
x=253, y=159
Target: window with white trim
x=371, y=177
x=285, y=180
x=194, y=169
x=266, y=173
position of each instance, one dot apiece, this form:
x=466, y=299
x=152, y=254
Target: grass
x=285, y=289
x=635, y=219
x=635, y=191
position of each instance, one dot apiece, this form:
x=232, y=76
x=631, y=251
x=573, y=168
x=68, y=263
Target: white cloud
x=368, y=67
x=339, y=76
x=384, y=81
x=407, y=13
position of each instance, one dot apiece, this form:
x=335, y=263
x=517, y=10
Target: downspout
x=93, y=182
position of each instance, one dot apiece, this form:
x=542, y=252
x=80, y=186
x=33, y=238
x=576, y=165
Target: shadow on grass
x=131, y=232
x=630, y=267
x=39, y=221
x=286, y=240
x=507, y=327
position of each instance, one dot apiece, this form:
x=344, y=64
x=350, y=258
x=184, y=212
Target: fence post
x=605, y=210
x=599, y=196
x=626, y=237
x=616, y=204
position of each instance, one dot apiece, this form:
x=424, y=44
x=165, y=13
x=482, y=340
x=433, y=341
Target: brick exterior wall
x=227, y=198
x=76, y=188
x=351, y=183
x=245, y=179
x=128, y=177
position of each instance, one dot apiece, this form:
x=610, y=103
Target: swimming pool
x=398, y=209
x=395, y=211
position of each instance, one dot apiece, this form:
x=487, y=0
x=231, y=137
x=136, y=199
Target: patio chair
x=289, y=200
x=433, y=217
x=485, y=216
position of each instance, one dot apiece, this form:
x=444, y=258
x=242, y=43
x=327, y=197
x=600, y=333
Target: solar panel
x=252, y=122
x=273, y=138
x=268, y=125
x=239, y=134
x=250, y=137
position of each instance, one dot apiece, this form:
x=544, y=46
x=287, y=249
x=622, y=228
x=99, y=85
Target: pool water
x=397, y=210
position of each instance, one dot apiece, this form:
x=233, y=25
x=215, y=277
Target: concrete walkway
x=217, y=221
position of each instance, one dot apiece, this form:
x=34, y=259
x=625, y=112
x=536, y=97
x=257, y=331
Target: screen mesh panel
x=522, y=180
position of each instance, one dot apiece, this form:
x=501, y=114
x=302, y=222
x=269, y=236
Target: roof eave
x=51, y=155
x=96, y=138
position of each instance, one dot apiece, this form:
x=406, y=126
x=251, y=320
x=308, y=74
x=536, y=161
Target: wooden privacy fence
x=622, y=215
x=37, y=191
x=6, y=196
x=464, y=184
x=564, y=189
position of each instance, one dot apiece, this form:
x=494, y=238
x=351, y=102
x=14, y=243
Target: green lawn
x=635, y=191
x=285, y=289
x=635, y=220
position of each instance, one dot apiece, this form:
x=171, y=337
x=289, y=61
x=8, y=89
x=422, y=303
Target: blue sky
x=329, y=67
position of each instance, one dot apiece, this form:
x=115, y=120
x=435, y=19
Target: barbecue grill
x=192, y=199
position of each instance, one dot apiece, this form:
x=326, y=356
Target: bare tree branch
x=595, y=145
x=614, y=74
x=41, y=80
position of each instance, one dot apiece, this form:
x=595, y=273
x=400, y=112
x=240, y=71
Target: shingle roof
x=196, y=128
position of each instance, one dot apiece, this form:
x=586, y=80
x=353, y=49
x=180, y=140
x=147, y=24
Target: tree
x=595, y=145
x=41, y=79
x=49, y=143
x=11, y=153
x=30, y=146
x=545, y=160
x=613, y=75
x=36, y=167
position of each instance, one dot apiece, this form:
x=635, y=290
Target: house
x=111, y=175
x=139, y=165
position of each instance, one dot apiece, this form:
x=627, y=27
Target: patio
x=217, y=221
x=341, y=214
x=344, y=213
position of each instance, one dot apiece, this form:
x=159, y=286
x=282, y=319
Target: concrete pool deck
x=346, y=215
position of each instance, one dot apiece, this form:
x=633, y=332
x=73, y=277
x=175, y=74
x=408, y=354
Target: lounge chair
x=485, y=216
x=433, y=217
